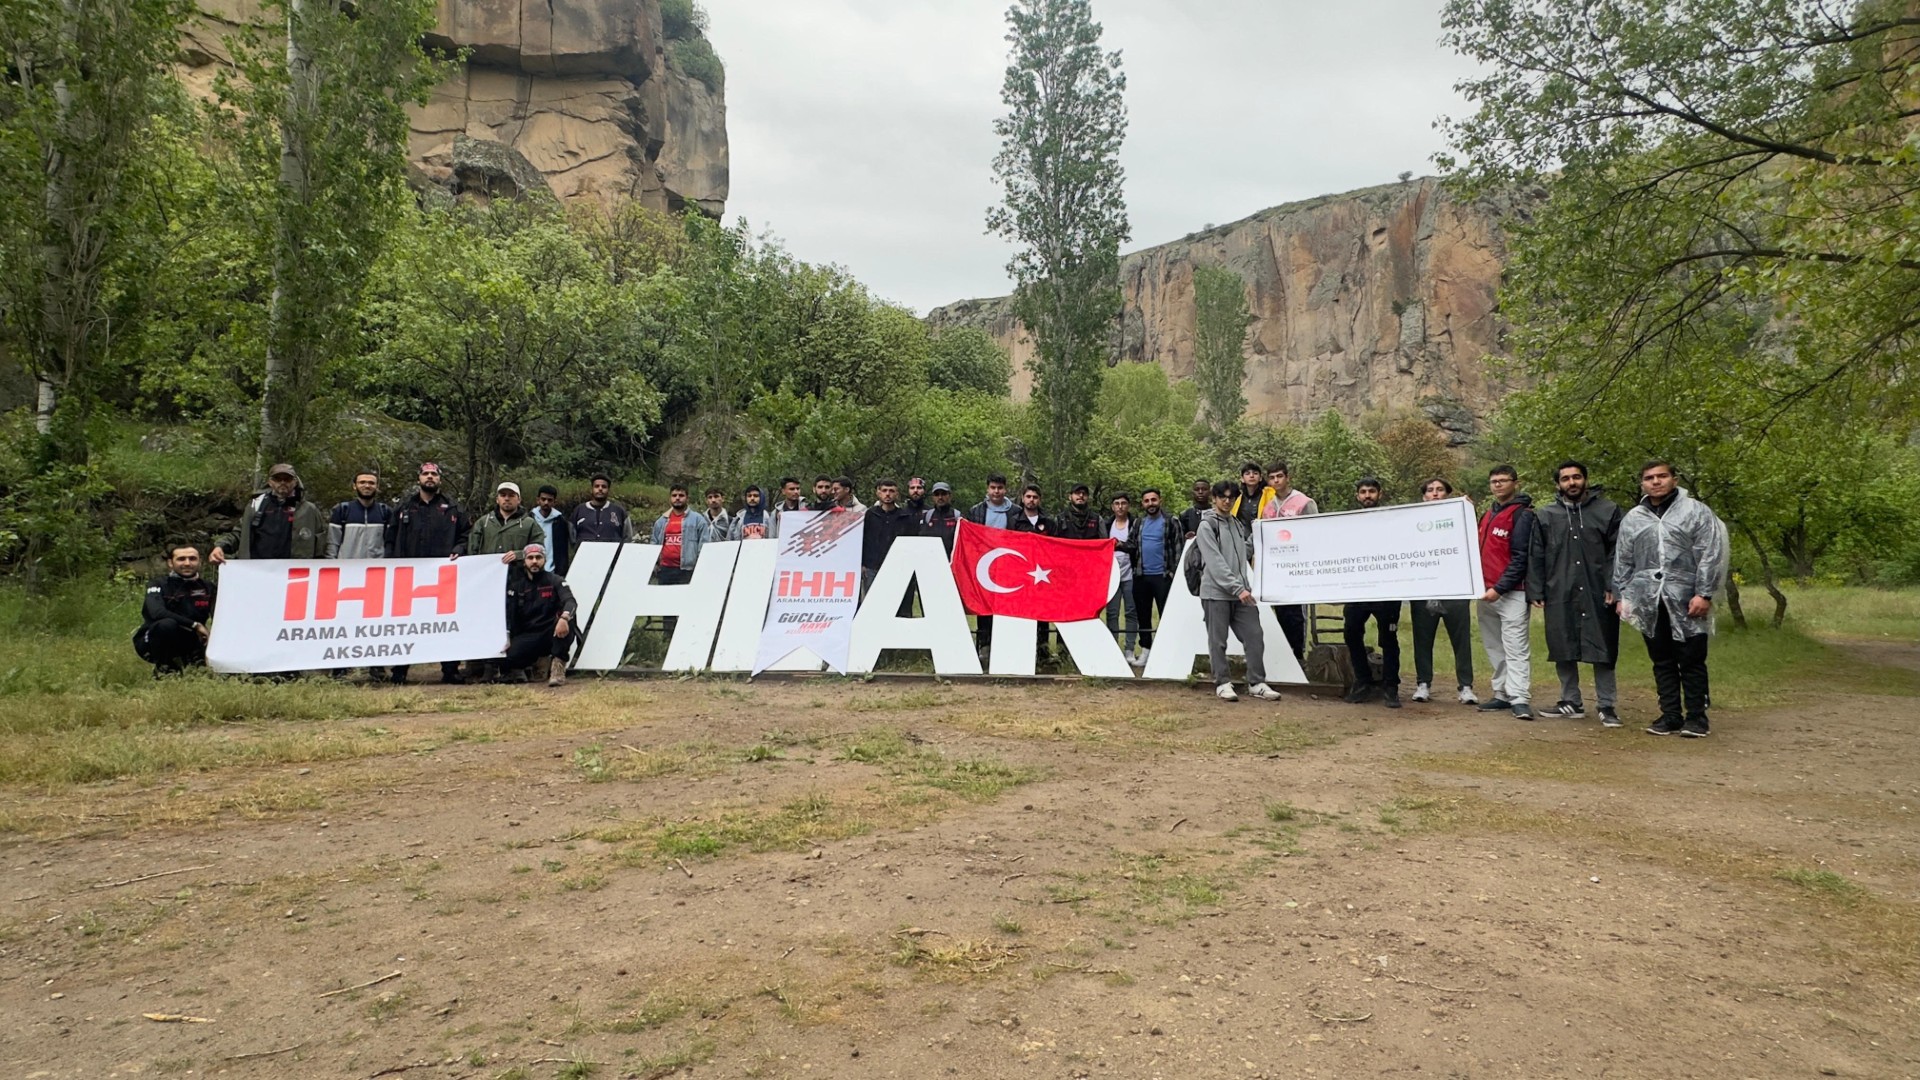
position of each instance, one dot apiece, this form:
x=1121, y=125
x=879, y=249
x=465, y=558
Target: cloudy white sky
x=861, y=130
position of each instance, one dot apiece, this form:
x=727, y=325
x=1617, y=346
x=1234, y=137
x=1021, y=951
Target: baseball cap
x=1078, y=488
x=942, y=487
x=508, y=485
x=282, y=469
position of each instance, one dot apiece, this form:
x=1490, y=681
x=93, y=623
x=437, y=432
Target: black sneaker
x=1609, y=717
x=1523, y=711
x=1496, y=705
x=1570, y=710
x=1361, y=694
x=1392, y=699
x=1694, y=729
x=1666, y=725
x=455, y=679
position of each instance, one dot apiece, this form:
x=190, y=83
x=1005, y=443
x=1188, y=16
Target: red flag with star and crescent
x=1030, y=576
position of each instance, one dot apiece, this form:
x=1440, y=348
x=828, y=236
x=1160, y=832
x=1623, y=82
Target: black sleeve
x=393, y=532
x=567, y=604
x=155, y=608
x=1520, y=549
x=1536, y=564
x=461, y=526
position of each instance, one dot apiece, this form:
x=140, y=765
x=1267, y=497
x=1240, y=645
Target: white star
x=1040, y=574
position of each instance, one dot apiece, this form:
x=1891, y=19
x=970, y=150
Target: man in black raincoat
x=1569, y=574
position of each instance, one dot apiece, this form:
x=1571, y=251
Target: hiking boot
x=1264, y=692
x=1570, y=710
x=1361, y=693
x=1496, y=705
x=559, y=676
x=1225, y=692
x=1391, y=699
x=1666, y=725
x=1467, y=696
x=1523, y=711
x=1609, y=717
x=514, y=677
x=1694, y=729
x=453, y=679
x=1422, y=693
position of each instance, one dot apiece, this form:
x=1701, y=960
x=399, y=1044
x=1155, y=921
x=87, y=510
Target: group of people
x=1580, y=559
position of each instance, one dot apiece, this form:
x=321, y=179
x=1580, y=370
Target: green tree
x=84, y=79
x=321, y=123
x=1059, y=166
x=967, y=358
x=1220, y=322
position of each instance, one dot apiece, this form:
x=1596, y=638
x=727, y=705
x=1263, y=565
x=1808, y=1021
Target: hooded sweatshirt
x=755, y=522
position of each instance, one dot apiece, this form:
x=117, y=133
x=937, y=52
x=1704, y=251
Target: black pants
x=530, y=645
x=1457, y=615
x=449, y=671
x=1150, y=594
x=1293, y=623
x=170, y=644
x=982, y=631
x=1387, y=614
x=1679, y=671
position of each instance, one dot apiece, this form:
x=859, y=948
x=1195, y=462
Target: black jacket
x=1017, y=522
x=977, y=513
x=535, y=601
x=883, y=527
x=1570, y=570
x=1077, y=524
x=189, y=600
x=433, y=529
x=1190, y=519
x=942, y=525
x=606, y=524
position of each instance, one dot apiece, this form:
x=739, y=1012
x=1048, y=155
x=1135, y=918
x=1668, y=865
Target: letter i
x=296, y=608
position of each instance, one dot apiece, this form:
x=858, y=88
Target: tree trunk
x=1773, y=585
x=1733, y=603
x=283, y=397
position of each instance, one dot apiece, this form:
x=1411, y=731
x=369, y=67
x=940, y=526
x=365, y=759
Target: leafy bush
x=682, y=19
x=695, y=58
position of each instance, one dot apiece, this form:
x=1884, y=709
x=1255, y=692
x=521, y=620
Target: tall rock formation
x=1382, y=298
x=582, y=90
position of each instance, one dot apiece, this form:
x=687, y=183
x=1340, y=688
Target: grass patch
x=1279, y=811
x=1278, y=737
x=1844, y=612
x=933, y=951
x=1595, y=759
x=1825, y=882
x=926, y=698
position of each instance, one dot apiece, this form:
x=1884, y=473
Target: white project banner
x=1419, y=551
x=299, y=615
x=816, y=588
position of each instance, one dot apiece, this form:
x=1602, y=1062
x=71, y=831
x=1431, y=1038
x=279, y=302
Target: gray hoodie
x=1226, y=550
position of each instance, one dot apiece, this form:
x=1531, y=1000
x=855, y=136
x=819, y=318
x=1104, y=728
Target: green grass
x=1826, y=882
x=1843, y=612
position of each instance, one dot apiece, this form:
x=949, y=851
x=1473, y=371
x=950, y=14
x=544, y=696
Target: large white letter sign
x=942, y=628
x=1182, y=636
x=630, y=595
x=1013, y=649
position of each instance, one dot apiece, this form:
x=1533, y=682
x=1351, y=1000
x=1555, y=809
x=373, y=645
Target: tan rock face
x=581, y=88
x=1376, y=299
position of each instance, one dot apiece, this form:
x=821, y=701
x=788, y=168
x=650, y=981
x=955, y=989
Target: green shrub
x=682, y=19
x=696, y=59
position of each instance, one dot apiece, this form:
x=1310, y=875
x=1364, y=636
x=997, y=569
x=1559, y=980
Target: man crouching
x=540, y=618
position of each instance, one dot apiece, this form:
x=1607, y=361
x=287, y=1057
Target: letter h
x=371, y=595
x=445, y=593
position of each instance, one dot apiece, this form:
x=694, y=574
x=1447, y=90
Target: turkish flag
x=1031, y=576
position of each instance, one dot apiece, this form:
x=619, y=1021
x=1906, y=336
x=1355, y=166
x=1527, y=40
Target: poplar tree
x=1220, y=321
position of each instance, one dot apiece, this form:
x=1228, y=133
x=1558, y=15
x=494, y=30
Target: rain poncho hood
x=1669, y=559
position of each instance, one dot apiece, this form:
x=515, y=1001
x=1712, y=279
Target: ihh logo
x=1440, y=524
x=376, y=594
x=796, y=583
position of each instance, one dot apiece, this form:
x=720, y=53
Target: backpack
x=1192, y=567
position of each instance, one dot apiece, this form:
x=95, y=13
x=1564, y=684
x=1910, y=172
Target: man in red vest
x=1506, y=535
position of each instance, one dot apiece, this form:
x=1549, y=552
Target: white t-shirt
x=1120, y=532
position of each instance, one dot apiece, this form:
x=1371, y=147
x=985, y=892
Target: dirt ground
x=832, y=879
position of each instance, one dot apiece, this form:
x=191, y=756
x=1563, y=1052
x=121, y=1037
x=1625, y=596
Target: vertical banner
x=302, y=615
x=816, y=588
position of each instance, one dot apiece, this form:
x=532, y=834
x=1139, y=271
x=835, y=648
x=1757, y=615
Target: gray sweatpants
x=1244, y=621
x=1603, y=682
x=1505, y=633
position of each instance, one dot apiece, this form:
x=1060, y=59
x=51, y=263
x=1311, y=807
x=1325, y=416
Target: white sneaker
x=1466, y=696
x=1421, y=693
x=1225, y=692
x=1264, y=692
x=1137, y=658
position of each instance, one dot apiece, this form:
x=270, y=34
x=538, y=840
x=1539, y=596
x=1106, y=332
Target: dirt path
x=1054, y=881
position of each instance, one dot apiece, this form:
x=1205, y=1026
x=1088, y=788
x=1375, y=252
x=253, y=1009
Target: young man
x=887, y=521
x=916, y=503
x=1386, y=618
x=599, y=520
x=540, y=619
x=1161, y=542
x=842, y=494
x=1506, y=534
x=1428, y=615
x=942, y=519
x=755, y=522
x=790, y=495
x=506, y=531
x=822, y=493
x=1282, y=500
x=428, y=525
x=1569, y=576
x=1668, y=565
x=1226, y=551
x=553, y=524
x=996, y=511
x=680, y=533
x=1123, y=610
x=1253, y=491
x=1202, y=502
x=1032, y=518
x=278, y=524
x=173, y=633
x=1081, y=521
x=718, y=520
x=357, y=528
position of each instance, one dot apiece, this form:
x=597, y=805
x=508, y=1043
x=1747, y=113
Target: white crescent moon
x=983, y=573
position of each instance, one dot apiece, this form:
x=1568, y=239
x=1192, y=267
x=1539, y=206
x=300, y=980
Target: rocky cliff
x=1382, y=298
x=582, y=90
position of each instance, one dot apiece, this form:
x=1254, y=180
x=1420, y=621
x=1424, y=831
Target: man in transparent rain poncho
x=1670, y=561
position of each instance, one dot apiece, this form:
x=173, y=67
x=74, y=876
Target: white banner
x=314, y=614
x=1418, y=551
x=816, y=588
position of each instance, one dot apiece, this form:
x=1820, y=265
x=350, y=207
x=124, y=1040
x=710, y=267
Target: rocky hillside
x=580, y=91
x=1382, y=298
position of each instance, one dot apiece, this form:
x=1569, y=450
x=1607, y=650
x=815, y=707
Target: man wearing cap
x=508, y=530
x=553, y=524
x=540, y=619
x=1081, y=521
x=599, y=520
x=941, y=519
x=428, y=525
x=278, y=524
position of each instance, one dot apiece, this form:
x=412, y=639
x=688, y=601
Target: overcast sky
x=861, y=130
